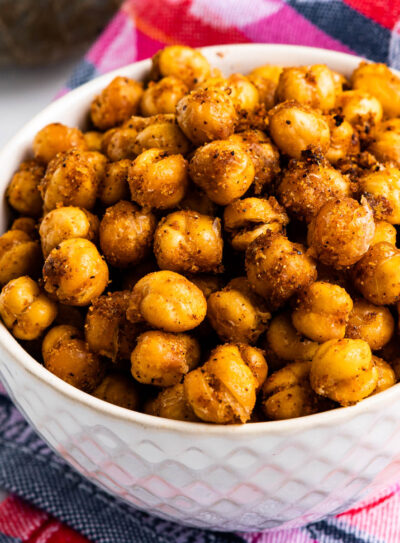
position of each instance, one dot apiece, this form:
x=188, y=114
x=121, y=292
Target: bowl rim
x=10, y=346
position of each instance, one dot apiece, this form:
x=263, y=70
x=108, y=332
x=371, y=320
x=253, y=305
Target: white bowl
x=248, y=478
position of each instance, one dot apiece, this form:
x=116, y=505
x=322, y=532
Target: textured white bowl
x=249, y=478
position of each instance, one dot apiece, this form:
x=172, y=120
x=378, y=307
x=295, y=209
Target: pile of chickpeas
x=215, y=249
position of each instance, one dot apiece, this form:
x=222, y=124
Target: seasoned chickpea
x=386, y=375
x=116, y=103
x=114, y=185
x=377, y=274
x=162, y=97
x=295, y=127
x=72, y=178
x=162, y=359
x=25, y=309
x=322, y=311
x=27, y=225
x=186, y=241
x=165, y=135
x=74, y=272
x=19, y=255
x=223, y=390
x=182, y=62
x=118, y=389
x=384, y=231
x=241, y=90
x=308, y=184
x=23, y=193
x=67, y=356
x=374, y=324
x=206, y=283
x=224, y=170
x=381, y=188
x=278, y=268
x=65, y=223
x=359, y=108
x=344, y=139
x=120, y=143
x=157, y=180
x=126, y=234
x=236, y=313
x=93, y=140
x=381, y=82
x=385, y=144
x=205, y=115
x=168, y=301
x=171, y=404
x=57, y=138
x=265, y=79
x=342, y=231
x=254, y=358
x=309, y=85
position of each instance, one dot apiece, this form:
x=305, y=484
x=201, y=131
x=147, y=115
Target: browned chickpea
x=116, y=102
x=359, y=108
x=171, y=404
x=344, y=139
x=196, y=200
x=118, y=389
x=57, y=138
x=23, y=193
x=162, y=97
x=162, y=359
x=277, y=268
x=381, y=187
x=114, y=185
x=73, y=178
x=206, y=283
x=67, y=356
x=374, y=324
x=157, y=180
x=377, y=274
x=120, y=143
x=265, y=79
x=241, y=90
x=295, y=127
x=27, y=225
x=384, y=231
x=126, y=234
x=93, y=140
x=310, y=85
x=65, y=223
x=223, y=390
x=186, y=241
x=254, y=358
x=386, y=375
x=322, y=311
x=224, y=170
x=342, y=231
x=205, y=115
x=19, y=255
x=164, y=135
x=74, y=272
x=385, y=144
x=25, y=309
x=183, y=62
x=168, y=301
x=381, y=82
x=236, y=313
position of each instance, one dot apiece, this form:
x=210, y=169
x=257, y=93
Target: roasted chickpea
x=57, y=138
x=359, y=108
x=157, y=180
x=265, y=79
x=205, y=115
x=162, y=359
x=182, y=62
x=118, y=389
x=116, y=103
x=254, y=358
x=384, y=231
x=171, y=404
x=386, y=375
x=120, y=143
x=344, y=371
x=241, y=90
x=72, y=178
x=25, y=309
x=374, y=324
x=74, y=272
x=381, y=82
x=344, y=139
x=224, y=170
x=67, y=356
x=223, y=390
x=295, y=127
x=126, y=234
x=23, y=193
x=381, y=188
x=65, y=223
x=165, y=135
x=93, y=140
x=162, y=97
x=277, y=268
x=168, y=301
x=114, y=185
x=342, y=231
x=385, y=141
x=207, y=283
x=309, y=85
x=377, y=274
x=27, y=225
x=19, y=255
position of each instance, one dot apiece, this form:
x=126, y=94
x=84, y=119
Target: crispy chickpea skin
x=114, y=185
x=19, y=255
x=162, y=97
x=188, y=242
x=126, y=234
x=374, y=324
x=241, y=90
x=67, y=356
x=27, y=225
x=65, y=223
x=93, y=140
x=116, y=103
x=344, y=371
x=171, y=404
x=224, y=170
x=120, y=143
x=377, y=274
x=168, y=301
x=164, y=134
x=57, y=138
x=74, y=272
x=118, y=389
x=344, y=139
x=342, y=231
x=182, y=62
x=157, y=180
x=322, y=311
x=107, y=331
x=23, y=193
x=381, y=82
x=381, y=188
x=385, y=144
x=384, y=231
x=162, y=358
x=386, y=375
x=223, y=390
x=359, y=108
x=254, y=358
x=72, y=178
x=278, y=268
x=236, y=313
x=25, y=309
x=265, y=79
x=309, y=85
x=295, y=127
x=205, y=115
